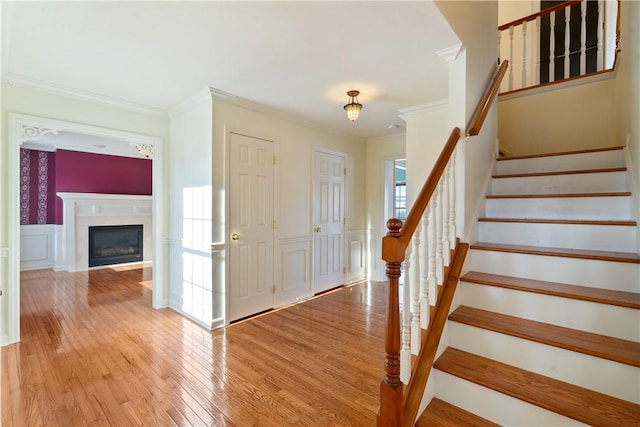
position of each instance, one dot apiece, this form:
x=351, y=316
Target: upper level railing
x=572, y=39
x=427, y=244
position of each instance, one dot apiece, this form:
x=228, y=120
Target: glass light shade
x=353, y=110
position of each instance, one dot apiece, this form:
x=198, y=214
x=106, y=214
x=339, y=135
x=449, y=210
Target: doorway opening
x=23, y=128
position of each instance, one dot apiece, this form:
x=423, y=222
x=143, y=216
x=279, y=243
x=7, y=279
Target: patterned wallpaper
x=36, y=172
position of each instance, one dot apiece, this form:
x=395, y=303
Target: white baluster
x=537, y=43
x=405, y=337
x=439, y=257
x=583, y=38
x=600, y=59
x=552, y=46
x=446, y=254
x=415, y=291
x=567, y=42
x=511, y=57
x=452, y=200
x=424, y=269
x=524, y=54
x=433, y=231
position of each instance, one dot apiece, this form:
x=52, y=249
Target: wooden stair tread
x=442, y=414
x=561, y=153
x=559, y=221
x=618, y=350
x=575, y=402
x=563, y=172
x=558, y=195
x=560, y=252
x=585, y=293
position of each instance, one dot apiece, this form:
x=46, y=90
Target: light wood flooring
x=94, y=352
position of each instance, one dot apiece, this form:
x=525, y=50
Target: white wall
x=627, y=95
x=51, y=105
x=294, y=144
x=378, y=151
x=190, y=168
x=474, y=23
x=427, y=133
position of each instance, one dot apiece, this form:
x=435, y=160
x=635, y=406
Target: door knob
x=317, y=229
x=235, y=236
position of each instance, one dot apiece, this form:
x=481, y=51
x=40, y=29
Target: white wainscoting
x=37, y=246
x=59, y=248
x=191, y=280
x=293, y=270
x=376, y=266
x=356, y=268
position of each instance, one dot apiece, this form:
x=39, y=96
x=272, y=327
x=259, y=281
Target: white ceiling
x=297, y=57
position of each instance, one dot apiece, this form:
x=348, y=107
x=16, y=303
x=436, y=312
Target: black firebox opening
x=115, y=244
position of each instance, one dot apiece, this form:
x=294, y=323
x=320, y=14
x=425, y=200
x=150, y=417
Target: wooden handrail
x=537, y=14
x=487, y=99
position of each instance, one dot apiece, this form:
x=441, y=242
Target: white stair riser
x=596, y=160
x=605, y=376
x=594, y=208
x=562, y=184
x=614, y=238
x=603, y=319
x=620, y=276
x=495, y=406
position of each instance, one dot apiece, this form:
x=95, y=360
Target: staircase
x=547, y=332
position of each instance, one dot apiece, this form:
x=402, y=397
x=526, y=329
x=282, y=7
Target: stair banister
x=518, y=35
x=396, y=409
x=394, y=247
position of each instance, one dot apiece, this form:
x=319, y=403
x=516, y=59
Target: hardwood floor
x=94, y=352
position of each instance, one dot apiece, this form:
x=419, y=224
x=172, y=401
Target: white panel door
x=250, y=226
x=329, y=221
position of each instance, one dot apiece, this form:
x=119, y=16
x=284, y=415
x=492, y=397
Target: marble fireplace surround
x=83, y=210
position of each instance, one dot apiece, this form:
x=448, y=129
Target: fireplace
x=115, y=244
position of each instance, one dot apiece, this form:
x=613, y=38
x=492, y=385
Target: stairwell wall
x=627, y=91
x=473, y=69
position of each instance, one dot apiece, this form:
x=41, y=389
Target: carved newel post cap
x=394, y=225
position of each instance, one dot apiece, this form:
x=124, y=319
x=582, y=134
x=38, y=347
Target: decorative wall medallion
x=145, y=150
x=31, y=133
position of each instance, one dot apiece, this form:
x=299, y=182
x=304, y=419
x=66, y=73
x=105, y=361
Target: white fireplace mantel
x=83, y=210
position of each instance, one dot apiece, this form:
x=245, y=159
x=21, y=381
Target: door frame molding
x=319, y=149
x=228, y=130
x=17, y=124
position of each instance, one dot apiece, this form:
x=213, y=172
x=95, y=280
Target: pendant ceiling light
x=353, y=107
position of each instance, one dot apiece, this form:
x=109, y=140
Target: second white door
x=329, y=219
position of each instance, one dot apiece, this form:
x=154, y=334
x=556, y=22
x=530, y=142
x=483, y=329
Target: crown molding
x=450, y=53
x=279, y=114
x=423, y=108
x=32, y=83
x=387, y=138
x=199, y=97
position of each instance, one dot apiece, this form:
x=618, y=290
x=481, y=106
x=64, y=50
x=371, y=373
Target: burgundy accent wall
x=77, y=172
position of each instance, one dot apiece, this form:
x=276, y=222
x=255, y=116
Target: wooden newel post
x=391, y=388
